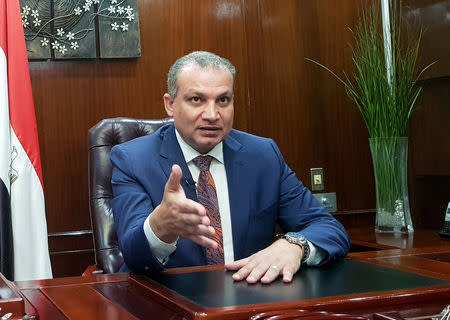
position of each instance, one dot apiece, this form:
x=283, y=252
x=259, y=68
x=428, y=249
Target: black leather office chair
x=101, y=138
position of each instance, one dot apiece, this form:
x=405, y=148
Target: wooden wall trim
x=74, y=233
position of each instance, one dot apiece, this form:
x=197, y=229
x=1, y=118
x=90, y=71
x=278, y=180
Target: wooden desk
x=121, y=296
x=365, y=239
x=380, y=291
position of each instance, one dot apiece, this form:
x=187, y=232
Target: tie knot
x=203, y=162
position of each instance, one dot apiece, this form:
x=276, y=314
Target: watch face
x=296, y=237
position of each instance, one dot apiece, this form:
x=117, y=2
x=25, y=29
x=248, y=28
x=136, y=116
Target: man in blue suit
x=159, y=220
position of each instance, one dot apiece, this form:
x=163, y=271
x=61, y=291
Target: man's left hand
x=280, y=258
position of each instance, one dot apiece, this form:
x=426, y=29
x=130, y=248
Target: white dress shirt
x=163, y=250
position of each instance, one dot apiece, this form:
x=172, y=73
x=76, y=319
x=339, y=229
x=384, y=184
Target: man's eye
x=223, y=99
x=195, y=99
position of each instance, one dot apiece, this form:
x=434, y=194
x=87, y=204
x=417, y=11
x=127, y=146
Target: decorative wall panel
x=75, y=29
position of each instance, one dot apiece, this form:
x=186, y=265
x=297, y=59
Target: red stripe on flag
x=3, y=42
x=21, y=106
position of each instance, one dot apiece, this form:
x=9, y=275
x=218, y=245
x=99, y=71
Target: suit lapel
x=235, y=164
x=171, y=154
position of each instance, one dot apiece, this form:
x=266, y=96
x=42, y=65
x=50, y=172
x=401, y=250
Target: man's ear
x=168, y=104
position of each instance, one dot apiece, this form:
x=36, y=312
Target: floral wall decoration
x=80, y=29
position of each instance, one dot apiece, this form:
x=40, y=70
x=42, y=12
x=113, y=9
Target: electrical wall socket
x=327, y=200
x=317, y=183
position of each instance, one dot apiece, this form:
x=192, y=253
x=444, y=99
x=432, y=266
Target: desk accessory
x=445, y=232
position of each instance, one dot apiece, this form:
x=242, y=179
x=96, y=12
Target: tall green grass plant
x=385, y=97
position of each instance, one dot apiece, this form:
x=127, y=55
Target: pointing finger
x=173, y=183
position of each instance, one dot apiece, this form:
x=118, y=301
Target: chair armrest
x=91, y=270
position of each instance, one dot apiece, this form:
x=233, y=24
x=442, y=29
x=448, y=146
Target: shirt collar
x=190, y=153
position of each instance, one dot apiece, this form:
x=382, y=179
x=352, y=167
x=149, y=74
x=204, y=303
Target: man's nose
x=211, y=112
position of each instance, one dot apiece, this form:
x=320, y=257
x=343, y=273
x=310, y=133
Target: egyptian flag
x=22, y=215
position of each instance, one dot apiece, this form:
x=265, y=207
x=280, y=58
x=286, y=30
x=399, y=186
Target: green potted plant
x=384, y=88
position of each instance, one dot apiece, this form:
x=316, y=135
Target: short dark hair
x=204, y=59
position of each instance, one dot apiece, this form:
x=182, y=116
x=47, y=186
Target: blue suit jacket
x=263, y=191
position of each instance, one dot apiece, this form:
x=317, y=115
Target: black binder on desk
x=214, y=289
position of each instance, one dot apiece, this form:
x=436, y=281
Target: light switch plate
x=317, y=183
x=327, y=200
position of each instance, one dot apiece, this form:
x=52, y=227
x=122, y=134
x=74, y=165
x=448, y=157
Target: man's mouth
x=209, y=130
x=215, y=128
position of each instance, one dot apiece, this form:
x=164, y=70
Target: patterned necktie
x=207, y=196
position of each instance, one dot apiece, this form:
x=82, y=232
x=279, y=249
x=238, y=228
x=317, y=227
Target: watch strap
x=298, y=239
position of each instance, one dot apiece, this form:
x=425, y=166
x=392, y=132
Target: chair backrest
x=101, y=138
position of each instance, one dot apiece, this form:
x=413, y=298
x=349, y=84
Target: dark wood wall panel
x=430, y=153
x=279, y=94
x=432, y=196
x=432, y=15
x=70, y=97
x=429, y=129
x=71, y=252
x=345, y=138
x=302, y=106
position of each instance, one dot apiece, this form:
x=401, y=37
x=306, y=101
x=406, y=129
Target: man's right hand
x=178, y=216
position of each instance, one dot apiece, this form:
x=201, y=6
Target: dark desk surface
x=214, y=289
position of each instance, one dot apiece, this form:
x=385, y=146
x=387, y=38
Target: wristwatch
x=298, y=239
